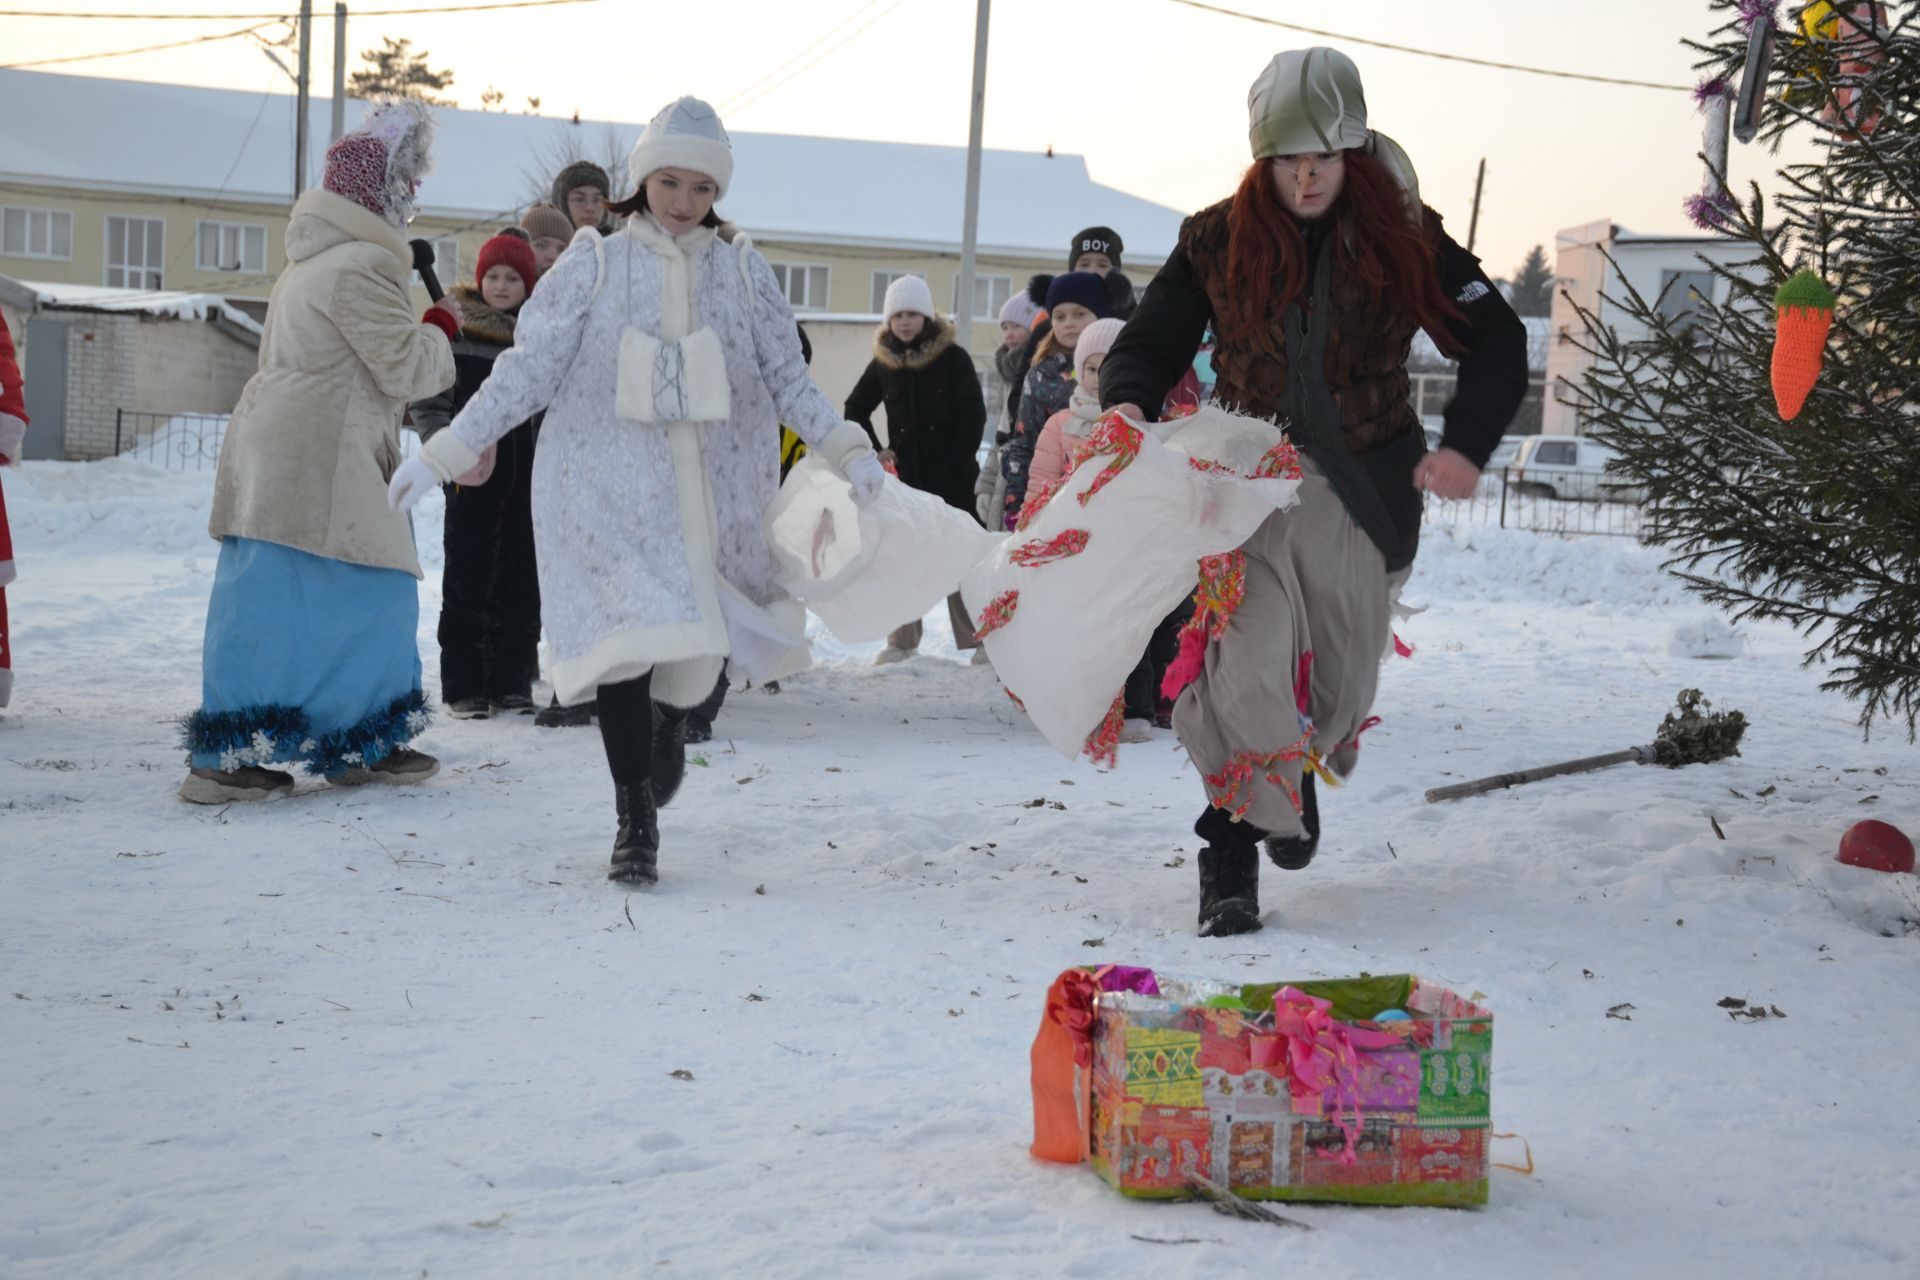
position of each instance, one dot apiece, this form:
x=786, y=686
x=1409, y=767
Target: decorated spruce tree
x=1776, y=434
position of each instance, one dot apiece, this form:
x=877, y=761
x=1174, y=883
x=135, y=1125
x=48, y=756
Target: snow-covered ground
x=416, y=1032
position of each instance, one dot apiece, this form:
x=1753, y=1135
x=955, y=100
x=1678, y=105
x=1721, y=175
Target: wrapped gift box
x=1296, y=1091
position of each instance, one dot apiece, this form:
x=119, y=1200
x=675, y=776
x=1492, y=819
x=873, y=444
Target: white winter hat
x=910, y=293
x=1095, y=340
x=687, y=134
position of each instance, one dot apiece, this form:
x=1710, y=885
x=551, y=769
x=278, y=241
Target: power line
x=1429, y=53
x=152, y=48
x=825, y=54
x=245, y=17
x=827, y=35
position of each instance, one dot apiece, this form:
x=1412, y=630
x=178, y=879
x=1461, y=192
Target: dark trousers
x=489, y=590
x=626, y=730
x=709, y=711
x=1142, y=693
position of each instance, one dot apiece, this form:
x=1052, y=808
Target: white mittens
x=412, y=481
x=851, y=454
x=866, y=475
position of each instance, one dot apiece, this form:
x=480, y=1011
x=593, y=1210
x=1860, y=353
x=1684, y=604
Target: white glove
x=412, y=481
x=864, y=473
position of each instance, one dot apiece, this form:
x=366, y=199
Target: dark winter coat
x=935, y=411
x=1364, y=368
x=1049, y=387
x=489, y=589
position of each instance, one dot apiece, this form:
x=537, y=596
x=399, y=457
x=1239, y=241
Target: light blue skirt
x=306, y=659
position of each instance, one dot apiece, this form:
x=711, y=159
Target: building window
x=36, y=233
x=1683, y=297
x=136, y=251
x=881, y=279
x=805, y=286
x=990, y=293
x=232, y=246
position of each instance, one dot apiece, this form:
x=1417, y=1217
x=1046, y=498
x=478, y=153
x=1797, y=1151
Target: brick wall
x=186, y=366
x=100, y=380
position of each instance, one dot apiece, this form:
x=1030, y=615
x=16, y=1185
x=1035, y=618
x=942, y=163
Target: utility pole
x=1473, y=225
x=970, y=223
x=301, y=99
x=339, y=73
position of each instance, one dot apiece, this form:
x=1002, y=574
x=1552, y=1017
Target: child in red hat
x=489, y=595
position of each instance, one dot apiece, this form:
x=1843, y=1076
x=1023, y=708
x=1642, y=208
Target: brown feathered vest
x=1366, y=348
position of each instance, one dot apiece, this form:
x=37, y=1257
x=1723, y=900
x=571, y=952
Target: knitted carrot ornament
x=1804, y=311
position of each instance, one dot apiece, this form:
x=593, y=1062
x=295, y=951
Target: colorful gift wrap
x=1274, y=1091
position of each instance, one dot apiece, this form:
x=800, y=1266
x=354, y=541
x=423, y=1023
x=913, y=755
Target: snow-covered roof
x=152, y=302
x=127, y=135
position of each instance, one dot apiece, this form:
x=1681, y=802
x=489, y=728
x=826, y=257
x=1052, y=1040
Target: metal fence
x=1499, y=504
x=188, y=441
x=176, y=441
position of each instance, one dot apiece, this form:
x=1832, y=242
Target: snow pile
x=1708, y=636
x=118, y=506
x=1461, y=562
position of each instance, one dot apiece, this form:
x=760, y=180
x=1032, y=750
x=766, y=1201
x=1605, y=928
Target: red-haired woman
x=1314, y=276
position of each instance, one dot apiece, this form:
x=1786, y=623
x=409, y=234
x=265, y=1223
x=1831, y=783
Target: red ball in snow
x=1877, y=846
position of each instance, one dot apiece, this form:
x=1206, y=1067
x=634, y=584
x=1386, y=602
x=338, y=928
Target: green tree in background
x=1815, y=521
x=1533, y=284
x=395, y=71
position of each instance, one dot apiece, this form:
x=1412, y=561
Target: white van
x=1565, y=467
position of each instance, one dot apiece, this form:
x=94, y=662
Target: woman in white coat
x=666, y=358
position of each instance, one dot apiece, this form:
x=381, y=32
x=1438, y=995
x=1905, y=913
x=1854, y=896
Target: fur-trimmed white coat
x=642, y=528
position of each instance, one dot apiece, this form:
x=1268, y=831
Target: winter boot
x=555, y=716
x=669, y=767
x=1229, y=890
x=1293, y=853
x=402, y=768
x=227, y=786
x=468, y=708
x=512, y=704
x=636, y=848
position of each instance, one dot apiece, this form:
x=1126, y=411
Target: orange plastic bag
x=1062, y=1059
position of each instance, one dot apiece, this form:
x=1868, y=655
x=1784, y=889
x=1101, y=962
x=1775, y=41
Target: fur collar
x=930, y=346
x=647, y=231
x=321, y=220
x=482, y=322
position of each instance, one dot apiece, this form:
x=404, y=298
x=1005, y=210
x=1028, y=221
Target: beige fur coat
x=315, y=437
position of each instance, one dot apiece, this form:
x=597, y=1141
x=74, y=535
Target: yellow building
x=149, y=188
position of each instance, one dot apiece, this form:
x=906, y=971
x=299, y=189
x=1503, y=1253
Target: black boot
x=636, y=848
x=555, y=716
x=1229, y=889
x=1293, y=853
x=669, y=768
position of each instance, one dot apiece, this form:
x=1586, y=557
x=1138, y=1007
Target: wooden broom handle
x=1632, y=755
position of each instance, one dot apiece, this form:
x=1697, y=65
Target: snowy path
x=404, y=1033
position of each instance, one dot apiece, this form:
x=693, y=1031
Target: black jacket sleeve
x=1157, y=347
x=864, y=399
x=431, y=414
x=1492, y=378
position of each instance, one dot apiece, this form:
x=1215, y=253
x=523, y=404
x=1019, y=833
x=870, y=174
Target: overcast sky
x=1152, y=92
